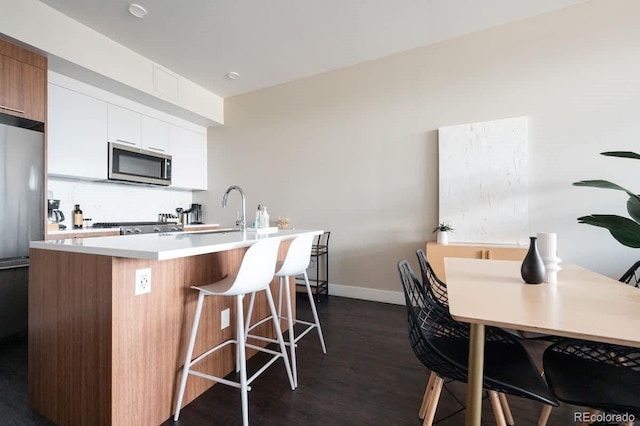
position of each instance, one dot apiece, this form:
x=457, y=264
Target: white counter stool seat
x=255, y=274
x=296, y=263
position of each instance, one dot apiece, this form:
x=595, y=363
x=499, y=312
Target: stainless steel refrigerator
x=21, y=220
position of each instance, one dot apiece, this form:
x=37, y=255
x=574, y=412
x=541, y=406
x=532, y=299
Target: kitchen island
x=99, y=353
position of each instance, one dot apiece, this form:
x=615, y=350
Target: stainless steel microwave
x=132, y=164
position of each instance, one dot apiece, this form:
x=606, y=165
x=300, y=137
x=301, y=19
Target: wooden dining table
x=582, y=304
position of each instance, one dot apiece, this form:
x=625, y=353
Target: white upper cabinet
x=189, y=158
x=82, y=119
x=154, y=134
x=76, y=134
x=124, y=126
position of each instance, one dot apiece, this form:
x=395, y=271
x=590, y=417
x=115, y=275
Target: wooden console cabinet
x=23, y=82
x=437, y=252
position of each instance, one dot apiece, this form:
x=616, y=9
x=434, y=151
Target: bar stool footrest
x=309, y=326
x=276, y=356
x=217, y=379
x=263, y=339
x=262, y=321
x=212, y=350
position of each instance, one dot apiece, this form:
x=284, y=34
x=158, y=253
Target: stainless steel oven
x=132, y=164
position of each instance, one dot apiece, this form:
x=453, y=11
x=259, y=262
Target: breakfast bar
x=105, y=349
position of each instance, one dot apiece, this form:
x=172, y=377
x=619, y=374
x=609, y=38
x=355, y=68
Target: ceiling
x=269, y=42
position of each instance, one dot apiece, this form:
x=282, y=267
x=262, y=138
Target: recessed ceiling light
x=233, y=75
x=137, y=10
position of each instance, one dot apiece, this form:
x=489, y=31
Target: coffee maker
x=54, y=214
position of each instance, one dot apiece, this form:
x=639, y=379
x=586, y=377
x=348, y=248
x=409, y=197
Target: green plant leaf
x=633, y=207
x=623, y=229
x=443, y=227
x=607, y=185
x=622, y=154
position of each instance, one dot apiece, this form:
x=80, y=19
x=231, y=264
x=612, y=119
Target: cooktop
x=140, y=227
x=117, y=224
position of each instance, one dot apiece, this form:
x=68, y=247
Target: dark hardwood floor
x=369, y=376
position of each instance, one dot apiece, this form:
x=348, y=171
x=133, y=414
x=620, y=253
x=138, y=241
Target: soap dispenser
x=258, y=221
x=265, y=217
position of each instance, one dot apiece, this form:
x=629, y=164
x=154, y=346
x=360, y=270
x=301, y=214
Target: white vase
x=548, y=251
x=443, y=237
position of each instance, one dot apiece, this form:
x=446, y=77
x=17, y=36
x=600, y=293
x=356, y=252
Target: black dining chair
x=442, y=345
x=601, y=376
x=429, y=279
x=438, y=291
x=439, y=288
x=632, y=276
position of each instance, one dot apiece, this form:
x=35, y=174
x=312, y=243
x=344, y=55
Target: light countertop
x=79, y=232
x=201, y=225
x=70, y=230
x=162, y=246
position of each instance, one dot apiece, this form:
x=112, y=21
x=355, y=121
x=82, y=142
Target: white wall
x=354, y=151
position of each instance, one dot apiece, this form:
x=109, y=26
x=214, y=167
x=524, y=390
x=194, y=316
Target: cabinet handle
x=155, y=149
x=126, y=141
x=12, y=109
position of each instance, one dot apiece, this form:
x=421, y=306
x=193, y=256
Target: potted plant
x=623, y=229
x=443, y=229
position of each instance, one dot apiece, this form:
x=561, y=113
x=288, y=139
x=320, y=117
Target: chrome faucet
x=242, y=221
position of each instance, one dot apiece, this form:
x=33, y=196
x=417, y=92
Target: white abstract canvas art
x=484, y=181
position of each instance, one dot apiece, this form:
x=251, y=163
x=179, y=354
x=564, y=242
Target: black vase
x=532, y=269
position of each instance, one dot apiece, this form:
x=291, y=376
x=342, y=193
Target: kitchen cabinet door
x=124, y=126
x=22, y=89
x=77, y=134
x=189, y=158
x=154, y=135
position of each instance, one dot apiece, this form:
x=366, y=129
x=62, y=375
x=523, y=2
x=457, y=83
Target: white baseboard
x=385, y=296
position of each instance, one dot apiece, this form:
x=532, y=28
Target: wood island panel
x=69, y=336
x=98, y=354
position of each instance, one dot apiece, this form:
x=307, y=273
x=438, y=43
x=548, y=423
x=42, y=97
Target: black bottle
x=532, y=269
x=77, y=217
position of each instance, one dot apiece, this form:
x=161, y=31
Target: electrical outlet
x=143, y=281
x=225, y=319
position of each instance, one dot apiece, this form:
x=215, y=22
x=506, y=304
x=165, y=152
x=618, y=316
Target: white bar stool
x=296, y=263
x=255, y=274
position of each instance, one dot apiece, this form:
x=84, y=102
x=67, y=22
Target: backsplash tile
x=114, y=202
